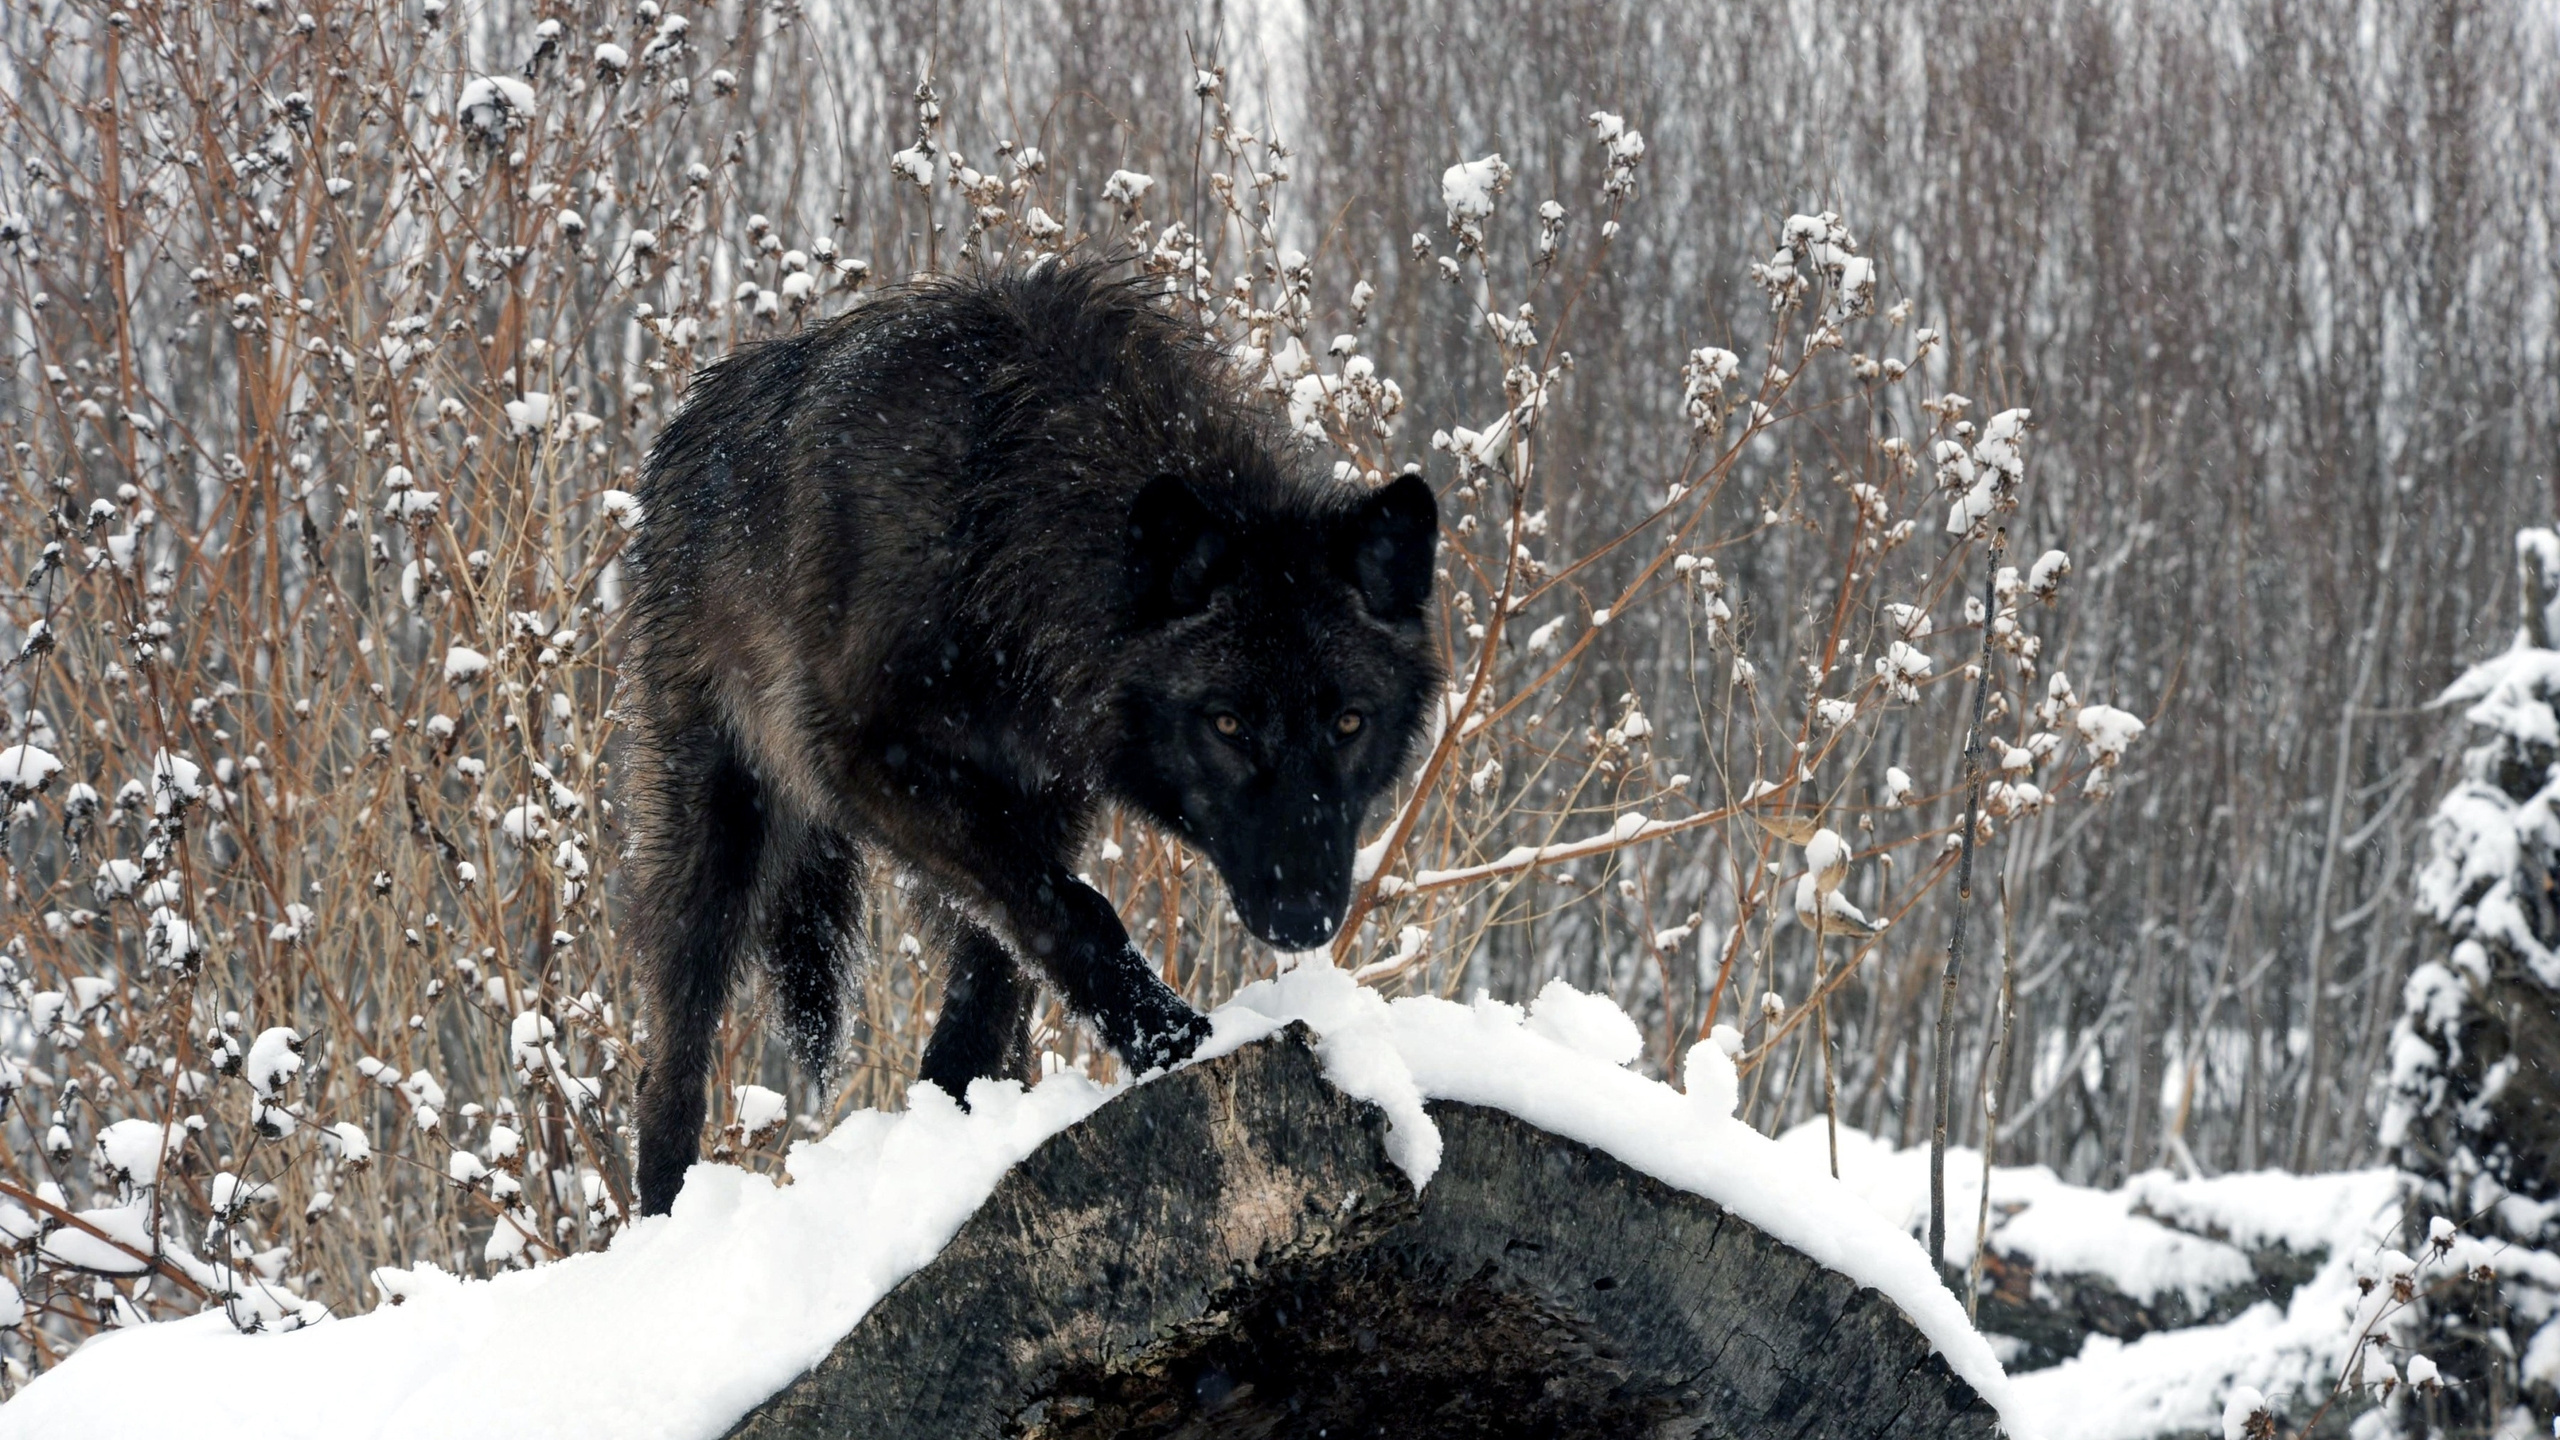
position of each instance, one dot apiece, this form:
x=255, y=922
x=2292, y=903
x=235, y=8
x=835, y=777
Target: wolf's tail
x=810, y=897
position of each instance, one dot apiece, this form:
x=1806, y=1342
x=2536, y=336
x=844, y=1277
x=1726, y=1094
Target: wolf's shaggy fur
x=935, y=580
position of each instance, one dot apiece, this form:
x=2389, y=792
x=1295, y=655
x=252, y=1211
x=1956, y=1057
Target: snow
x=2271, y=1207
x=1903, y=662
x=669, y=39
x=1969, y=508
x=494, y=105
x=527, y=417
x=174, y=777
x=1997, y=449
x=231, y=1194
x=88, y=992
x=2244, y=1405
x=134, y=1149
x=2479, y=835
x=2541, y=1364
x=1815, y=905
x=529, y=1038
x=1127, y=187
x=275, y=1057
x=1827, y=855
x=347, y=1141
x=1702, y=384
x=125, y=1226
x=1585, y=1024
x=2170, y=1382
x=2094, y=1232
x=1858, y=281
x=2507, y=694
x=2046, y=578
x=1468, y=188
x=2174, y=1381
x=412, y=505
x=170, y=939
x=25, y=769
x=463, y=664
x=525, y=823
x=690, y=1319
x=1630, y=827
x=2108, y=731
x=760, y=1109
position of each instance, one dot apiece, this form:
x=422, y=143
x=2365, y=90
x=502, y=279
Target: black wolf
x=930, y=583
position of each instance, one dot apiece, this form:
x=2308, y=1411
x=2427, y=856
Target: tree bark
x=1230, y=1252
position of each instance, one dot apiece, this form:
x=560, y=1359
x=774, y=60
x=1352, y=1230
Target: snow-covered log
x=1456, y=1218
x=2052, y=1313
x=2137, y=1313
x=1233, y=1251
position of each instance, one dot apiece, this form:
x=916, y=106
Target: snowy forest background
x=331, y=359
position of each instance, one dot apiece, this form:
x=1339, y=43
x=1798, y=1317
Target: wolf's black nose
x=1301, y=924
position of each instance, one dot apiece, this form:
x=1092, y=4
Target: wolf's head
x=1278, y=676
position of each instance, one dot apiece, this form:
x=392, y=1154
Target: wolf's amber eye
x=1228, y=724
x=1347, y=723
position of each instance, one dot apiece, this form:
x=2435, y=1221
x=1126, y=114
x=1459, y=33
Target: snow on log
x=1432, y=1217
x=2136, y=1313
x=1233, y=1252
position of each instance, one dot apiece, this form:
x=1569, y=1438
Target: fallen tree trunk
x=2052, y=1313
x=1229, y=1251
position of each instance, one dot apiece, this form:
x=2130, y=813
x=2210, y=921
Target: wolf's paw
x=1162, y=1044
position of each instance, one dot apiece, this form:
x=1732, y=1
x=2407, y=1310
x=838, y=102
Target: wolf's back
x=950, y=464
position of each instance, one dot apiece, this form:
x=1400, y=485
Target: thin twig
x=1995, y=1078
x=1955, y=940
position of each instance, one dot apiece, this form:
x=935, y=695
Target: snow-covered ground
x=2157, y=1236
x=689, y=1320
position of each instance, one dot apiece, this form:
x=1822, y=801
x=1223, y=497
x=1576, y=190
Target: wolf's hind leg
x=985, y=1029
x=810, y=924
x=694, y=869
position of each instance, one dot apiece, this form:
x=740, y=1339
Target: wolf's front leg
x=985, y=1029
x=996, y=850
x=1069, y=930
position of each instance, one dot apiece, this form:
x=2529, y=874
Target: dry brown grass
x=279, y=481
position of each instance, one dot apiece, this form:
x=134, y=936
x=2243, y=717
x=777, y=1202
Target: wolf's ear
x=1177, y=551
x=1385, y=547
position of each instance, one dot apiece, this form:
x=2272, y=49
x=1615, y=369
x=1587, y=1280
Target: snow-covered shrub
x=309, y=963
x=2473, y=1111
